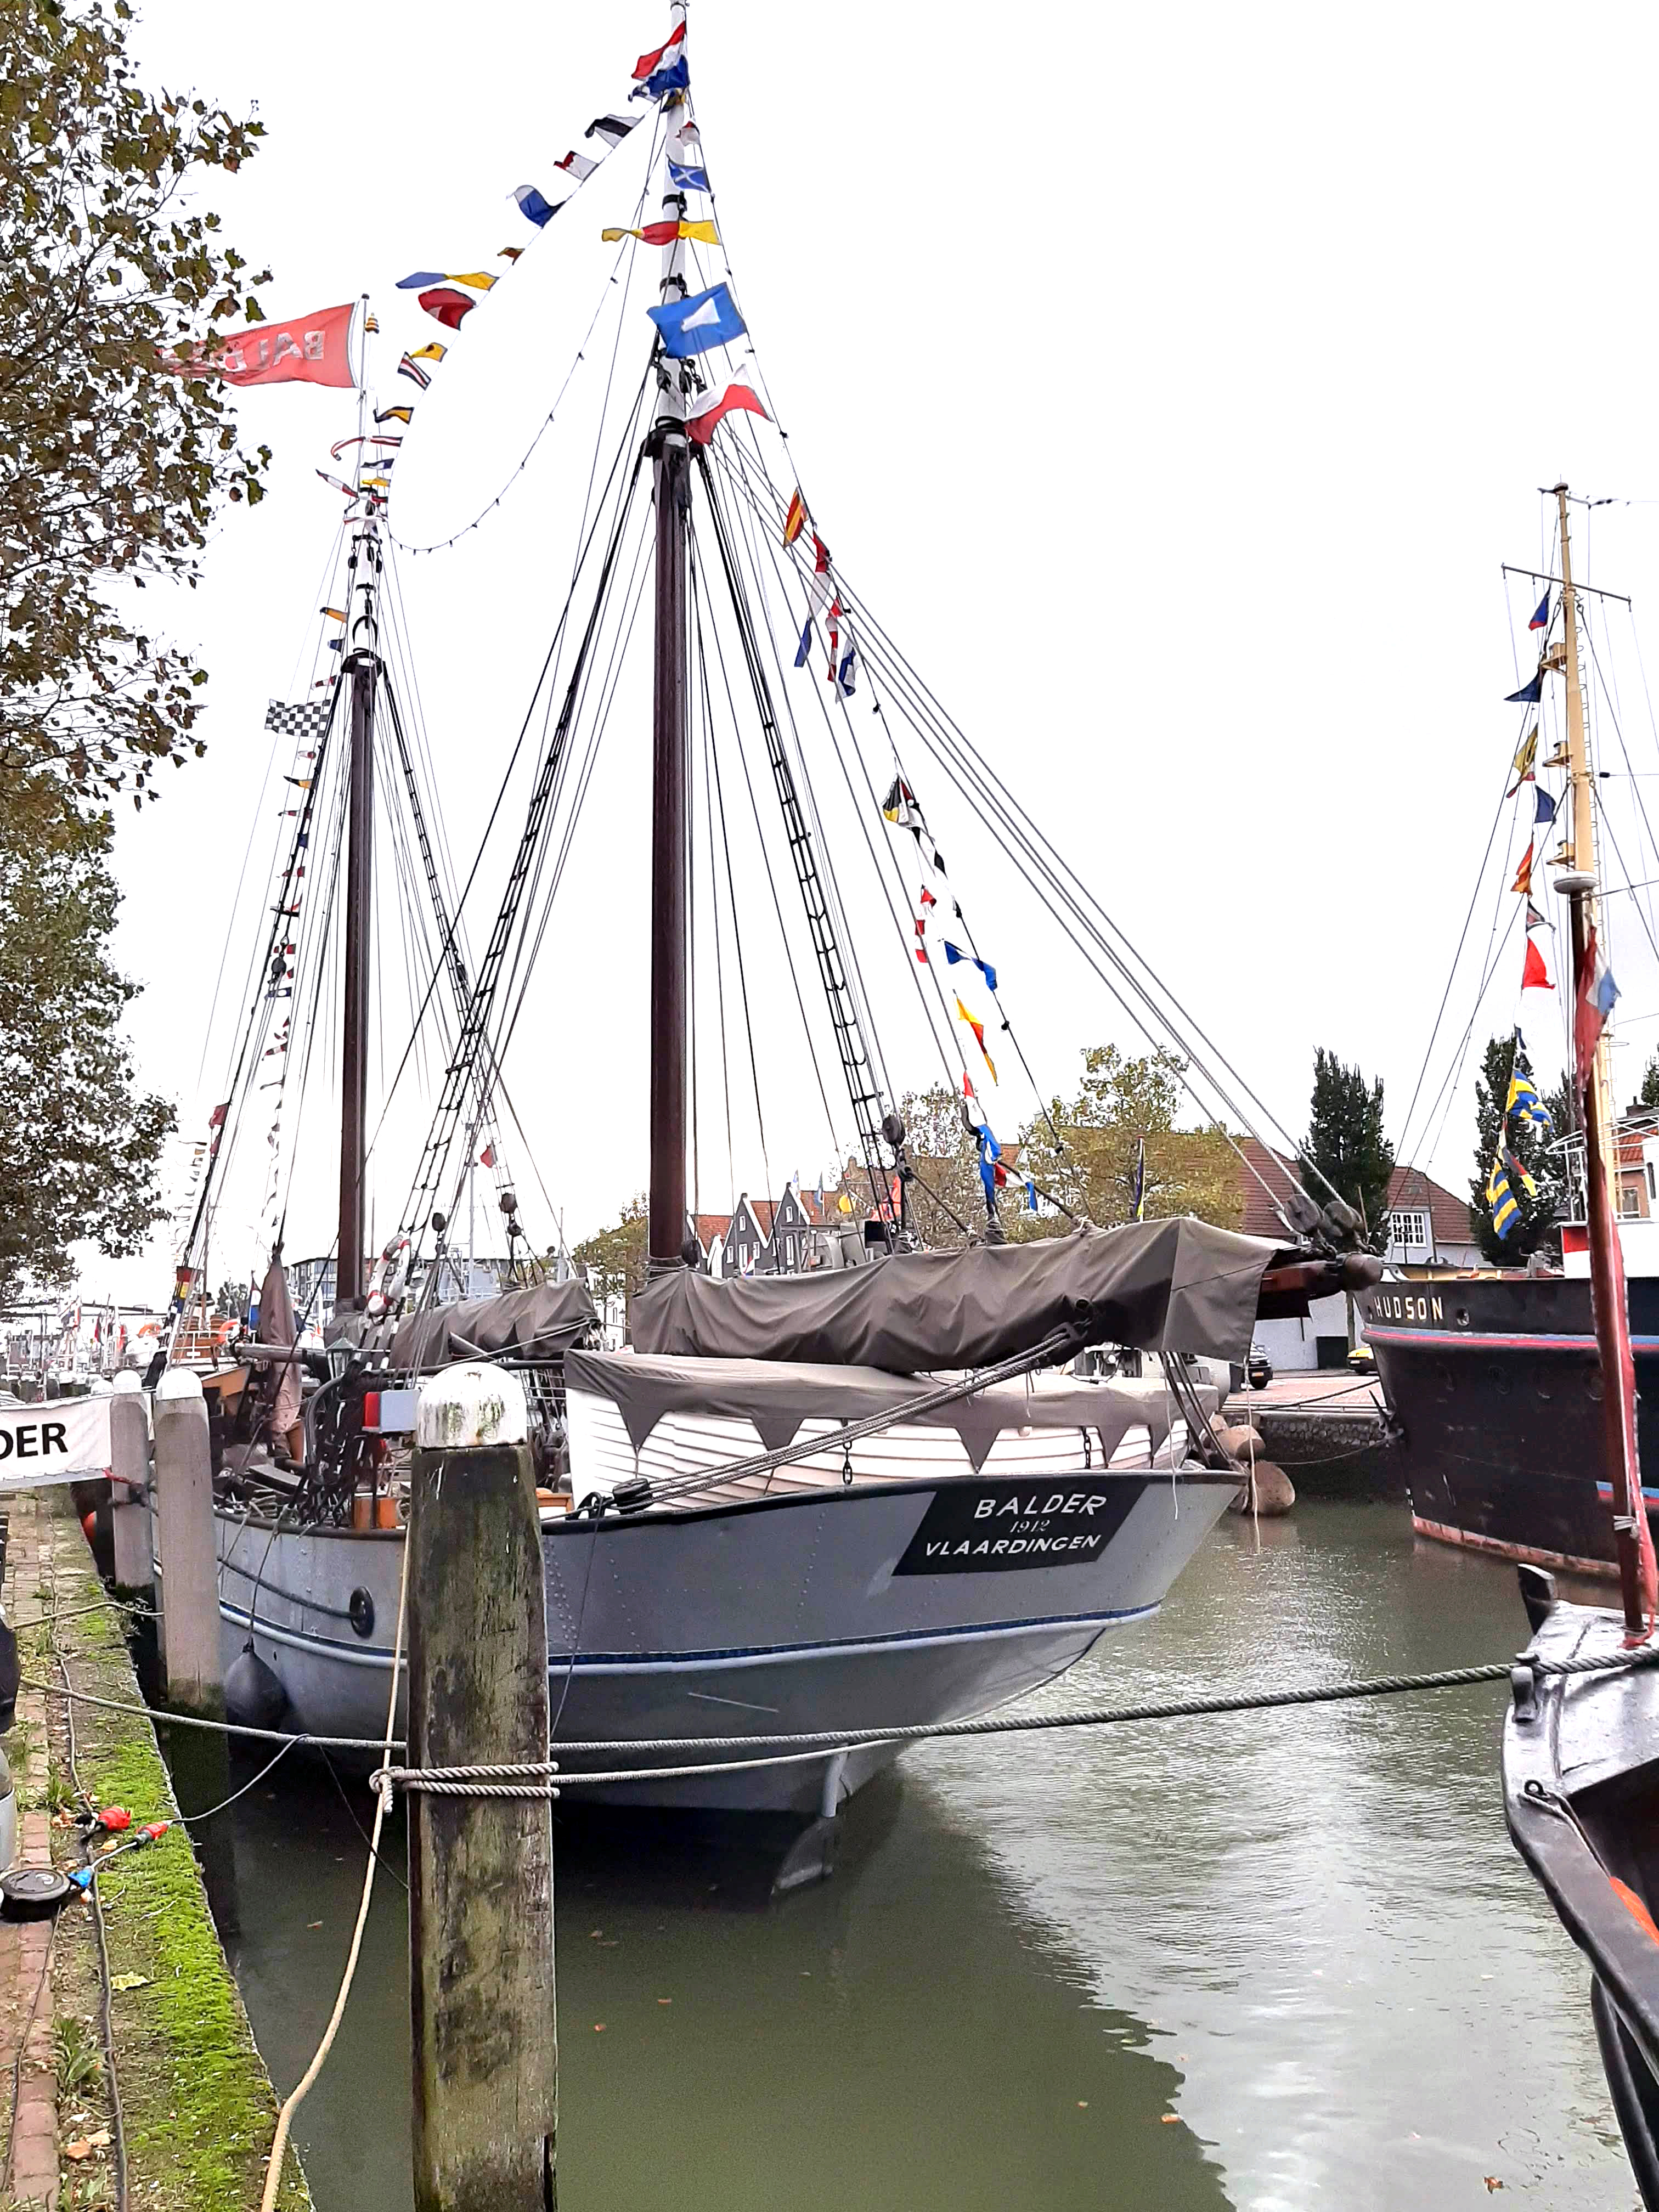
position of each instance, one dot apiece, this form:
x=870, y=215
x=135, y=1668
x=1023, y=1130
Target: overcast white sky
x=1172, y=382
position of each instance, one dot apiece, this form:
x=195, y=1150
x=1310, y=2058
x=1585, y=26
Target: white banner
x=60, y=1440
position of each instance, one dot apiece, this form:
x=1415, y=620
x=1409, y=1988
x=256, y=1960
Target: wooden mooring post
x=480, y=1868
x=182, y=1488
x=129, y=1486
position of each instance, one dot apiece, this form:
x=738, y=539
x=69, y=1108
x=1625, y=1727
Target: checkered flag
x=308, y=719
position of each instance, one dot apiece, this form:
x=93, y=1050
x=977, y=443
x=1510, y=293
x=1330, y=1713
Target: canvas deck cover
x=542, y=1322
x=1178, y=1285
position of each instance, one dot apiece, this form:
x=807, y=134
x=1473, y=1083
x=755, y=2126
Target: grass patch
x=199, y=2108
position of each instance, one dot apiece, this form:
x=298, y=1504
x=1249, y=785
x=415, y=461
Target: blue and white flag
x=846, y=672
x=532, y=205
x=806, y=646
x=1544, y=804
x=695, y=325
x=687, y=179
x=954, y=953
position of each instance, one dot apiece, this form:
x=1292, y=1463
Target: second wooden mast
x=671, y=775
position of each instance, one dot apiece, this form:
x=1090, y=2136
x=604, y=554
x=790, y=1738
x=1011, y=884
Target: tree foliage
x=612, y=1261
x=1120, y=1101
x=1082, y=1150
x=1646, y=1100
x=1539, y=1214
x=78, y=1147
x=111, y=468
x=1346, y=1147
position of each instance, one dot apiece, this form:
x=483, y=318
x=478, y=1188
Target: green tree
x=1345, y=1147
x=1646, y=1100
x=78, y=1144
x=231, y=1301
x=946, y=1199
x=1119, y=1102
x=612, y=1261
x=111, y=468
x=1530, y=1147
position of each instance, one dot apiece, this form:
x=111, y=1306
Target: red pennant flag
x=449, y=307
x=307, y=349
x=795, y=521
x=1523, y=883
x=1536, y=976
x=487, y=1158
x=738, y=398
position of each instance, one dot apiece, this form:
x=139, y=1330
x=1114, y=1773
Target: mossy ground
x=198, y=2108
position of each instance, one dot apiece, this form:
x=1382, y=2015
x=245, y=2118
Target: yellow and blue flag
x=1504, y=1210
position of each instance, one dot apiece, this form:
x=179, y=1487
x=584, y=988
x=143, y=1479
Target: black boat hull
x=1581, y=1797
x=1495, y=1389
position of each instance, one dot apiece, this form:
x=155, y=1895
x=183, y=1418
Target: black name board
x=991, y=1528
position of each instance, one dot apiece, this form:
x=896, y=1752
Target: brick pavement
x=24, y=1945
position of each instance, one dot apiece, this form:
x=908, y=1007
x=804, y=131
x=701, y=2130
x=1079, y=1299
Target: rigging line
x=277, y=930
x=1448, y=1090
x=501, y=795
x=1606, y=823
x=1030, y=868
x=1044, y=1106
x=698, y=596
x=429, y=1172
x=1059, y=900
x=625, y=251
x=399, y=633
x=700, y=582
x=1451, y=977
x=957, y=753
x=862, y=996
x=737, y=935
x=318, y=947
x=836, y=954
x=1625, y=751
x=714, y=912
x=529, y=951
x=330, y=565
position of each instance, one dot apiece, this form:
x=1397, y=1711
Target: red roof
x=711, y=1226
x=1261, y=1166
x=763, y=1210
x=1448, y=1216
x=1408, y=1186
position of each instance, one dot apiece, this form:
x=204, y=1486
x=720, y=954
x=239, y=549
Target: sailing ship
x=1494, y=1381
x=866, y=1497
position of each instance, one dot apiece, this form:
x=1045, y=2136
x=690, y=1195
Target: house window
x=1652, y=1192
x=1630, y=1199
x=1409, y=1228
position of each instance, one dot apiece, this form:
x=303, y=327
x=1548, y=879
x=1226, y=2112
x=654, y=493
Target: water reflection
x=1304, y=1936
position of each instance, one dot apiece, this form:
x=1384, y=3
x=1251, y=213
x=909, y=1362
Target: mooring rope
x=549, y=1777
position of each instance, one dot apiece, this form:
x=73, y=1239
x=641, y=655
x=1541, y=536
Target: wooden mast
x=1607, y=1294
x=362, y=666
x=671, y=777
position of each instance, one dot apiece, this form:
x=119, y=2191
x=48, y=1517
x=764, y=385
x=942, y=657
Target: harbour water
x=1268, y=1962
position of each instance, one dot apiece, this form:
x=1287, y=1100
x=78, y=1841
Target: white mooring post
x=130, y=1486
x=481, y=1996
x=183, y=1493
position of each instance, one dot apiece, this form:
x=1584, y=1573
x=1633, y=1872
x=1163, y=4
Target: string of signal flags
x=1595, y=991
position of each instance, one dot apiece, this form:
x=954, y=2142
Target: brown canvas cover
x=1177, y=1285
x=539, y=1322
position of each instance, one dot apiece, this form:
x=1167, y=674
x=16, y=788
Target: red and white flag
x=701, y=426
x=306, y=349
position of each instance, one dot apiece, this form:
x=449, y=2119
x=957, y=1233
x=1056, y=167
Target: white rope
x=383, y=1797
